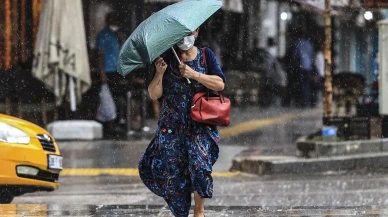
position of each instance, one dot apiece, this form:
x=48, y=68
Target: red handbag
x=212, y=110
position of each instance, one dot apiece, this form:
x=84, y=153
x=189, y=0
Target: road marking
x=120, y=172
x=250, y=126
x=100, y=171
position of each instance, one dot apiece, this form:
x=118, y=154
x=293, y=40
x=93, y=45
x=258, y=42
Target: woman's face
x=188, y=42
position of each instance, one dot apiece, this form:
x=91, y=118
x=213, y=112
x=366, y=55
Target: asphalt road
x=101, y=177
x=239, y=195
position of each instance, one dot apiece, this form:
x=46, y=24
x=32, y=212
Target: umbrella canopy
x=163, y=30
x=61, y=58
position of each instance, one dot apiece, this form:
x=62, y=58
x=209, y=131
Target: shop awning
x=228, y=5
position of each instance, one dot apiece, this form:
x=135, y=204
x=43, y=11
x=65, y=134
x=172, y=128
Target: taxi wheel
x=5, y=197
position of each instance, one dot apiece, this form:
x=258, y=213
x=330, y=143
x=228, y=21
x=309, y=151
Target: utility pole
x=328, y=97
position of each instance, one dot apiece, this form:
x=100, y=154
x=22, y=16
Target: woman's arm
x=213, y=82
x=155, y=89
x=214, y=79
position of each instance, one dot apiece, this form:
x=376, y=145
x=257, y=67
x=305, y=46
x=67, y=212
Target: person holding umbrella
x=179, y=160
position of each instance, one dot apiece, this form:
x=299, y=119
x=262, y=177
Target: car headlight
x=10, y=134
x=27, y=170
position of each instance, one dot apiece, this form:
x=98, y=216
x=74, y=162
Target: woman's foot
x=199, y=212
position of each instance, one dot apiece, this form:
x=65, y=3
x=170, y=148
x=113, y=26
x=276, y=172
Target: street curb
x=271, y=165
x=314, y=149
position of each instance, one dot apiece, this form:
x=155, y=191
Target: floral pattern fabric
x=180, y=157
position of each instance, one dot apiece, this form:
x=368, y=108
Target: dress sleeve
x=213, y=66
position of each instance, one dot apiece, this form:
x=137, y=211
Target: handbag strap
x=207, y=89
x=204, y=58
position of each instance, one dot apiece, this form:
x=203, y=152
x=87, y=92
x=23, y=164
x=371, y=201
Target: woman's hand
x=186, y=71
x=160, y=65
x=155, y=88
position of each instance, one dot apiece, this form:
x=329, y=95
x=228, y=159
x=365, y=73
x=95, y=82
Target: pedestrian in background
x=278, y=74
x=273, y=78
x=108, y=44
x=318, y=75
x=179, y=160
x=303, y=57
x=290, y=68
x=136, y=84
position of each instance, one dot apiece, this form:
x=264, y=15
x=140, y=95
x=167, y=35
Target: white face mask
x=114, y=28
x=187, y=42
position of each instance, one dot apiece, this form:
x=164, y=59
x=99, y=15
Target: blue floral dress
x=180, y=157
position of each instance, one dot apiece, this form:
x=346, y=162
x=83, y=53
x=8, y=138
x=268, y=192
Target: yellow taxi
x=29, y=159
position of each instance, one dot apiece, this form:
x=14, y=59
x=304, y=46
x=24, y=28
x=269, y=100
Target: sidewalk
x=272, y=158
x=273, y=131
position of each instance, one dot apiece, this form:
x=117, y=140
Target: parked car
x=29, y=157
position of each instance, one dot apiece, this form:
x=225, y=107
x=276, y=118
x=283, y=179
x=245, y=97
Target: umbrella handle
x=176, y=55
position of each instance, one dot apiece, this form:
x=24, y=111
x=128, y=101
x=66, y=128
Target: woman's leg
x=203, y=154
x=199, y=208
x=176, y=188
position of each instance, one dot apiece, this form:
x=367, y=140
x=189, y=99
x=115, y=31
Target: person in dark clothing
x=300, y=62
x=136, y=85
x=304, y=56
x=289, y=67
x=273, y=79
x=317, y=79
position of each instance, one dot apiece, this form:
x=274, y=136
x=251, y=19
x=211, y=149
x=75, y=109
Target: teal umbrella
x=163, y=30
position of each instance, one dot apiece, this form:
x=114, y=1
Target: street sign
x=374, y=3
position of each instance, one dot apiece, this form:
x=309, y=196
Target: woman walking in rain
x=178, y=161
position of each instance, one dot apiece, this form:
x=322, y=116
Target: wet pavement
x=124, y=154
x=286, y=125
x=352, y=189
x=260, y=132
x=161, y=211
